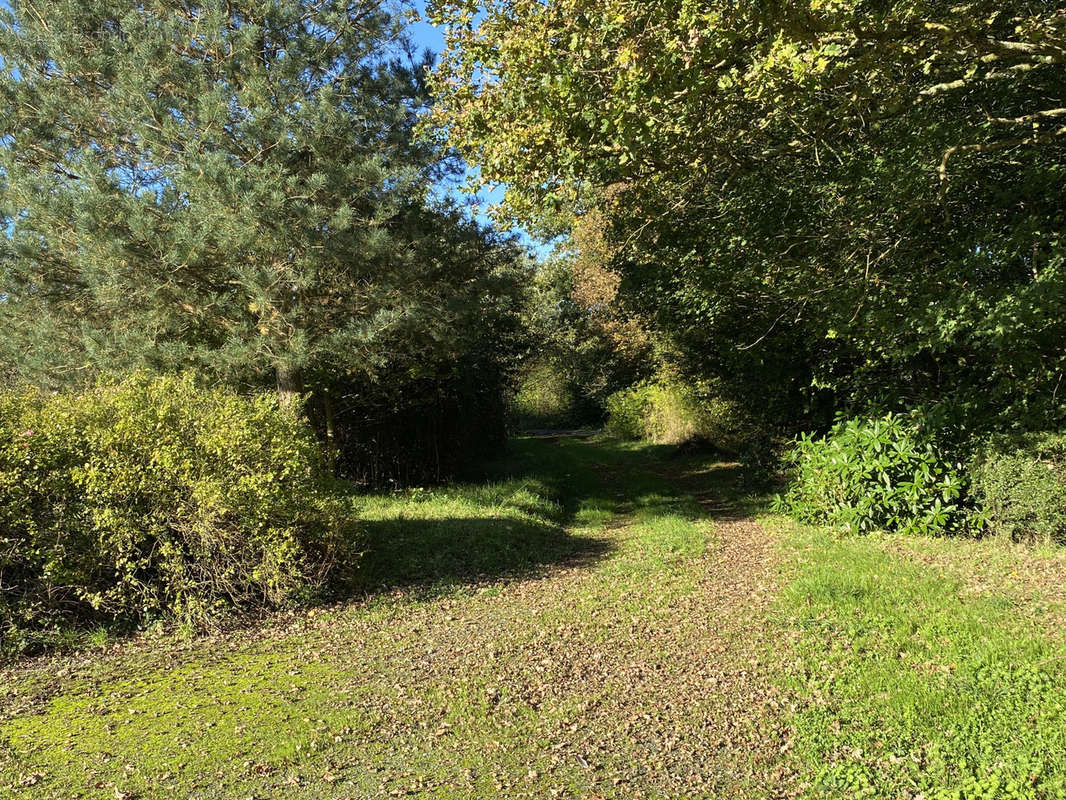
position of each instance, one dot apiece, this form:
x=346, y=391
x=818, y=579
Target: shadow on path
x=525, y=517
x=439, y=552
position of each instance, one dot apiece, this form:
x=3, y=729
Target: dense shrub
x=416, y=431
x=663, y=411
x=668, y=411
x=882, y=473
x=627, y=411
x=544, y=398
x=154, y=498
x=1021, y=485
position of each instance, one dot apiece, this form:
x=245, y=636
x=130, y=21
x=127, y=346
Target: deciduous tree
x=807, y=197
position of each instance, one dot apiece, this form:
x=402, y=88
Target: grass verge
x=925, y=668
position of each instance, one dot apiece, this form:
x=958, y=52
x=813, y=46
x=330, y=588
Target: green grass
x=917, y=677
x=577, y=627
x=450, y=676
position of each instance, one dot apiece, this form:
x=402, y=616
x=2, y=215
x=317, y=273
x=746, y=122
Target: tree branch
x=1027, y=118
x=990, y=147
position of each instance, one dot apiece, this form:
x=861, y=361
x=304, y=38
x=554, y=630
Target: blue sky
x=428, y=36
x=425, y=34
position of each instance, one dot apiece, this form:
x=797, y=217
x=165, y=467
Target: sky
x=425, y=34
x=428, y=36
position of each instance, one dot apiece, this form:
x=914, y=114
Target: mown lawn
x=930, y=668
x=599, y=621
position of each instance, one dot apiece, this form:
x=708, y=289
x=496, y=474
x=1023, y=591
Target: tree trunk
x=290, y=387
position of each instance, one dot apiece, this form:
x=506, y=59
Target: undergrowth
x=880, y=473
x=156, y=499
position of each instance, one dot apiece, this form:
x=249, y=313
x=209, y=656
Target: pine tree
x=205, y=184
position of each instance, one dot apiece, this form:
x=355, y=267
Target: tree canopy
x=227, y=185
x=834, y=201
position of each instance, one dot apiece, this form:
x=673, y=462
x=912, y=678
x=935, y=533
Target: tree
x=433, y=405
x=218, y=185
x=845, y=198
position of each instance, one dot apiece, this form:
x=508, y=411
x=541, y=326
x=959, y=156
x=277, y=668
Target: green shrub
x=1021, y=485
x=663, y=411
x=669, y=411
x=544, y=398
x=880, y=473
x=627, y=411
x=155, y=498
x=673, y=413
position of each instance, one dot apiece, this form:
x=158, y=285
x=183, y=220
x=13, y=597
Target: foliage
x=880, y=473
x=662, y=412
x=669, y=411
x=626, y=411
x=913, y=661
x=595, y=289
x=822, y=205
x=212, y=186
x=1020, y=483
x=232, y=187
x=434, y=401
x=544, y=398
x=154, y=498
x=580, y=348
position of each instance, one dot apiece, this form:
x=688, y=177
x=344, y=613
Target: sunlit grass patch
x=910, y=684
x=448, y=674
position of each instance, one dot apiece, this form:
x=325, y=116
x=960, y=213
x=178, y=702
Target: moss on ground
x=517, y=638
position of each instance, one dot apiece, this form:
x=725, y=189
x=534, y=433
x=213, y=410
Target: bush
x=1021, y=485
x=155, y=498
x=544, y=398
x=627, y=412
x=880, y=473
x=662, y=411
x=668, y=411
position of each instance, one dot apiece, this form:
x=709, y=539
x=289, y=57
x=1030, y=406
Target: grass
x=918, y=676
x=505, y=631
x=599, y=620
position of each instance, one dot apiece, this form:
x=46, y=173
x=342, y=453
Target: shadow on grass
x=585, y=479
x=431, y=554
x=515, y=521
x=726, y=491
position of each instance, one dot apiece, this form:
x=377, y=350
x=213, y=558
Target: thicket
x=433, y=405
x=156, y=498
x=581, y=345
x=821, y=207
x=1020, y=483
x=815, y=207
x=668, y=411
x=545, y=397
x=417, y=430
